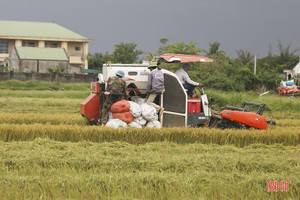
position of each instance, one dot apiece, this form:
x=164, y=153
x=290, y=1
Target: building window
x=3, y=47
x=53, y=45
x=31, y=44
x=77, y=48
x=23, y=44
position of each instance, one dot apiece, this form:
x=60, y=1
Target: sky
x=255, y=25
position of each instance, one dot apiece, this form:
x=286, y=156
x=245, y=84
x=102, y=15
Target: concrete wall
x=74, y=69
x=44, y=66
x=28, y=66
x=4, y=76
x=64, y=78
x=41, y=66
x=14, y=62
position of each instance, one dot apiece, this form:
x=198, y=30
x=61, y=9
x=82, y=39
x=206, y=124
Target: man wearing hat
x=184, y=78
x=155, y=86
x=116, y=90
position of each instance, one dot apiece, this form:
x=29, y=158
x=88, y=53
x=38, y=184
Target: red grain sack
x=124, y=116
x=120, y=106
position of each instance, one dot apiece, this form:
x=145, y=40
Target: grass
x=45, y=94
x=272, y=101
x=48, y=152
x=47, y=169
x=42, y=85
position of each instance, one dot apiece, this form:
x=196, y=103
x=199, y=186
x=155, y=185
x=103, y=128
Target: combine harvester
x=180, y=111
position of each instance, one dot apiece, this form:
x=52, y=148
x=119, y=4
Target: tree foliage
x=244, y=56
x=126, y=53
x=182, y=48
x=223, y=73
x=214, y=47
x=97, y=60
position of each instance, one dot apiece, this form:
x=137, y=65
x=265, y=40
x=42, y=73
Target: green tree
x=244, y=56
x=150, y=56
x=164, y=41
x=162, y=48
x=97, y=60
x=214, y=47
x=287, y=59
x=285, y=53
x=126, y=53
x=183, y=48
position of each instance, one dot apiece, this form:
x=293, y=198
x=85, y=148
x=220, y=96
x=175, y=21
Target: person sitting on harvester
x=184, y=78
x=116, y=91
x=155, y=86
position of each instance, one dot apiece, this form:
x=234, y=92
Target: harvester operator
x=155, y=86
x=184, y=78
x=115, y=91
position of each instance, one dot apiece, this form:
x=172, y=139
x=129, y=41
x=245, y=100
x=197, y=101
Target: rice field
x=47, y=151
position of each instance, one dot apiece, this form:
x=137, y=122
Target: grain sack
x=110, y=117
x=148, y=112
x=124, y=116
x=134, y=124
x=140, y=120
x=153, y=124
x=138, y=100
x=116, y=123
x=120, y=106
x=135, y=109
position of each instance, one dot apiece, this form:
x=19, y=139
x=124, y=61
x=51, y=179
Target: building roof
x=36, y=29
x=36, y=53
x=184, y=58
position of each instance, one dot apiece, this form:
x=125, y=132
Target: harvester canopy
x=173, y=58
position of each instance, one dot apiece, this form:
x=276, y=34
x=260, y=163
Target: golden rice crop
x=75, y=133
x=289, y=123
x=32, y=118
x=39, y=105
x=77, y=119
x=276, y=115
x=47, y=169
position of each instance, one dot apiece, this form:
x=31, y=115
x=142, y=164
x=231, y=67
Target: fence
x=64, y=78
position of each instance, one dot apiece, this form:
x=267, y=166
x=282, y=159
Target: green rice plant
x=75, y=133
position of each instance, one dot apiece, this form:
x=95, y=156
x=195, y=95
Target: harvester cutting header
x=180, y=108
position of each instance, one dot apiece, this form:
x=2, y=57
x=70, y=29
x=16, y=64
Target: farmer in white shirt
x=184, y=78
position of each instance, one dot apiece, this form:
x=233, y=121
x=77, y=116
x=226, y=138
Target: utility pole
x=255, y=64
